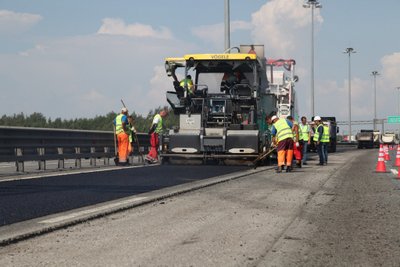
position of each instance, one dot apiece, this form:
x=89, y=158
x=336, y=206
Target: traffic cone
x=398, y=174
x=381, y=167
x=397, y=162
x=386, y=153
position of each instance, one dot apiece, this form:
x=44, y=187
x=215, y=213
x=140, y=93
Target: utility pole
x=312, y=4
x=349, y=51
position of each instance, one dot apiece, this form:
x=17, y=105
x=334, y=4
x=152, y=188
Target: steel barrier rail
x=21, y=144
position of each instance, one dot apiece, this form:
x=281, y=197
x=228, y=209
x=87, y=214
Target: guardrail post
x=78, y=161
x=42, y=163
x=61, y=162
x=92, y=157
x=106, y=158
x=141, y=151
x=19, y=164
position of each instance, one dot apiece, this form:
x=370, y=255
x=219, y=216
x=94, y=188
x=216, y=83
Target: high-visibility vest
x=118, y=124
x=189, y=83
x=283, y=130
x=129, y=132
x=304, y=132
x=159, y=127
x=316, y=135
x=325, y=135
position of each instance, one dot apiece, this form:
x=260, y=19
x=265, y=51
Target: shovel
x=116, y=159
x=263, y=156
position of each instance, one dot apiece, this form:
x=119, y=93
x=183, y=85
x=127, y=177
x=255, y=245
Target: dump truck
x=389, y=138
x=365, y=139
x=222, y=116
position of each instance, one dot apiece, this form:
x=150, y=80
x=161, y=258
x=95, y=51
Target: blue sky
x=73, y=58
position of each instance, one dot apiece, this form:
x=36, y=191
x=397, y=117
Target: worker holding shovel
x=122, y=133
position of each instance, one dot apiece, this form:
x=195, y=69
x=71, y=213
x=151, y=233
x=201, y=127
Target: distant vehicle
x=365, y=139
x=377, y=138
x=389, y=138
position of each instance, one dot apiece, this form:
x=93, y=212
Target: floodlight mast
x=312, y=4
x=375, y=73
x=349, y=51
x=227, y=26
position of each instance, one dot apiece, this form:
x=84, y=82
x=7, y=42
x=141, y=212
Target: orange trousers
x=285, y=152
x=123, y=147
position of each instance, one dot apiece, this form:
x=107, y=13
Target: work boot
x=298, y=164
x=279, y=169
x=288, y=168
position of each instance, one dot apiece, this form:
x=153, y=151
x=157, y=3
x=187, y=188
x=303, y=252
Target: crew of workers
x=292, y=139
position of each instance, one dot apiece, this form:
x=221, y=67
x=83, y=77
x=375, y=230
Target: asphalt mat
x=32, y=198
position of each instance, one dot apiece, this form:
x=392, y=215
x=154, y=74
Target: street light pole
x=312, y=4
x=398, y=101
x=375, y=73
x=227, y=26
x=349, y=51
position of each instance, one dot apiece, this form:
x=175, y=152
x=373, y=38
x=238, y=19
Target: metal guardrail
x=22, y=144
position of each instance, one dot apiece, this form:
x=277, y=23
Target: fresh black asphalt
x=22, y=200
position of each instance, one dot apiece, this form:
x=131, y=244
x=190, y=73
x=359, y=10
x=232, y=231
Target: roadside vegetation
x=100, y=122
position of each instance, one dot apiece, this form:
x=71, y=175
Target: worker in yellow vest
x=155, y=130
x=187, y=83
x=305, y=138
x=325, y=142
x=122, y=132
x=131, y=134
x=282, y=137
x=320, y=139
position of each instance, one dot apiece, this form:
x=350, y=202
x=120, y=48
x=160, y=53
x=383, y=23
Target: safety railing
x=21, y=144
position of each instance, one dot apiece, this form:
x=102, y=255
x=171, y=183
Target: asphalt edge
x=159, y=195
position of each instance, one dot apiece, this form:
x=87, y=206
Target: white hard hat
x=124, y=109
x=274, y=117
x=317, y=118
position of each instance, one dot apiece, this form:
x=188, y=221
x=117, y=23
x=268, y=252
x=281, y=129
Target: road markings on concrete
x=92, y=211
x=394, y=171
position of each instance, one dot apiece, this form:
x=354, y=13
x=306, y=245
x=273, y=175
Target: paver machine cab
x=223, y=115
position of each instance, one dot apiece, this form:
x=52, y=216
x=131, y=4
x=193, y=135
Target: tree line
x=100, y=122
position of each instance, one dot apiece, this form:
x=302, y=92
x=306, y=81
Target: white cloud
x=85, y=76
x=118, y=27
x=160, y=83
x=214, y=33
x=280, y=25
x=391, y=69
x=12, y=22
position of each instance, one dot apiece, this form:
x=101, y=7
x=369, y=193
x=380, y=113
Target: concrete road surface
x=342, y=214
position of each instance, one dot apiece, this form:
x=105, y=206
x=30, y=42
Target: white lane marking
x=394, y=171
x=91, y=211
